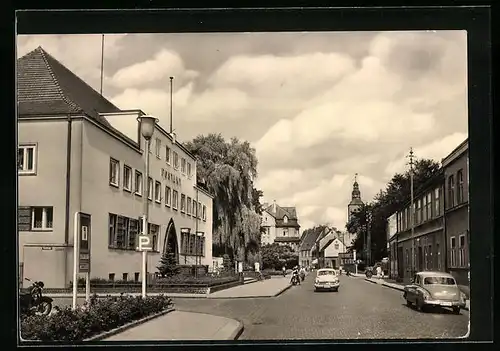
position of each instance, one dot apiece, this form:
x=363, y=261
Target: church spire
x=356, y=194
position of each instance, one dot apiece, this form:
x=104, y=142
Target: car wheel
x=420, y=306
x=315, y=289
x=456, y=310
x=336, y=290
x=408, y=303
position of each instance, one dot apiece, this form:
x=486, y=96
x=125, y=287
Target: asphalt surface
x=360, y=310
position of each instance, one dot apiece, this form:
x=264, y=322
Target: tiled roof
x=309, y=240
x=46, y=87
x=281, y=212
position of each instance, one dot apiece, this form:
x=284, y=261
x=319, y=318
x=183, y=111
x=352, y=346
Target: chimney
x=173, y=137
x=274, y=206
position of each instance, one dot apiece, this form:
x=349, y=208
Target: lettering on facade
x=172, y=178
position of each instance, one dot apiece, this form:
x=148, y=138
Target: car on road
x=326, y=279
x=434, y=289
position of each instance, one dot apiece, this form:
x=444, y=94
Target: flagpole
x=171, y=93
x=102, y=60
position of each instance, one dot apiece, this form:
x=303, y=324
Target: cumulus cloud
x=165, y=63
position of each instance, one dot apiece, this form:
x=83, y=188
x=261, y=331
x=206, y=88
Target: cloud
x=435, y=150
x=165, y=63
x=81, y=53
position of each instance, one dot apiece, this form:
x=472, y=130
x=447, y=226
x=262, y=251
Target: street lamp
x=147, y=127
x=412, y=214
x=369, y=236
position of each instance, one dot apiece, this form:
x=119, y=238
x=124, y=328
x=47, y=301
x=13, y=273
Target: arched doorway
x=170, y=245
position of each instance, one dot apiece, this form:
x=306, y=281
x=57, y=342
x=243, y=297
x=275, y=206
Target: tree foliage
x=388, y=201
x=228, y=169
x=168, y=264
x=275, y=256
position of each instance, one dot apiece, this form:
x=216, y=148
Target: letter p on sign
x=145, y=243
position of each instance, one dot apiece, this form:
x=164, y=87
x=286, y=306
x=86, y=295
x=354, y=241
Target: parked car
x=326, y=279
x=435, y=289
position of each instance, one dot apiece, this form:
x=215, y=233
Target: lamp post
x=412, y=214
x=369, y=236
x=147, y=125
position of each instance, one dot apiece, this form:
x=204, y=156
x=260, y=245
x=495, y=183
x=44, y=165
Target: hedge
x=99, y=316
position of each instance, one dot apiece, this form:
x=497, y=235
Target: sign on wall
x=84, y=243
x=392, y=226
x=24, y=218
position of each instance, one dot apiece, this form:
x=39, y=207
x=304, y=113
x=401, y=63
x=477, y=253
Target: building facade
x=425, y=248
x=456, y=185
x=72, y=159
x=307, y=245
x=356, y=202
x=281, y=226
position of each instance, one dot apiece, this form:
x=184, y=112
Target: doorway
x=170, y=245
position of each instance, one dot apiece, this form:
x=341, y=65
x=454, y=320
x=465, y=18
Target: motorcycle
x=33, y=301
x=302, y=276
x=369, y=272
x=295, y=279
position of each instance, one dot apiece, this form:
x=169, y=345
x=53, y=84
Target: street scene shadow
x=431, y=310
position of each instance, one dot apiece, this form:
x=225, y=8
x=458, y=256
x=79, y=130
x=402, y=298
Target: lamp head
x=147, y=125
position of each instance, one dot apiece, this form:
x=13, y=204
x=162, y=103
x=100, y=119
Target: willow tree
x=228, y=169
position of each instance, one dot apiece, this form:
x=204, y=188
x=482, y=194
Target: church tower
x=356, y=202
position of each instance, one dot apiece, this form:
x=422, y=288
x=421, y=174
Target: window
x=136, y=276
x=42, y=218
x=168, y=196
x=175, y=200
x=26, y=159
x=461, y=251
x=111, y=276
x=284, y=232
x=439, y=281
x=183, y=165
x=193, y=212
x=402, y=220
x=157, y=192
x=429, y=206
x=127, y=178
x=429, y=259
x=408, y=217
x=285, y=219
x=154, y=231
x=189, y=171
x=438, y=256
x=138, y=183
x=123, y=232
x=158, y=147
x=437, y=202
x=188, y=206
x=424, y=209
x=418, y=212
x=336, y=246
x=451, y=191
x=176, y=160
x=192, y=243
x=204, y=213
x=407, y=259
x=198, y=212
x=167, y=154
x=125, y=277
x=114, y=172
x=183, y=203
x=453, y=252
x=185, y=240
x=150, y=188
x=200, y=244
x=460, y=187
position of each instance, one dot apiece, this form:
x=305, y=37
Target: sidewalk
x=178, y=325
x=263, y=288
x=400, y=287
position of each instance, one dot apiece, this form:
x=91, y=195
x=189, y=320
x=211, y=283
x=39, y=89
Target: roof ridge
x=56, y=82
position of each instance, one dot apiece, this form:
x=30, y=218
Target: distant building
x=281, y=226
x=307, y=245
x=72, y=159
x=356, y=202
x=456, y=186
x=331, y=247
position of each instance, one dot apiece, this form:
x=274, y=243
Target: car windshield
x=326, y=273
x=439, y=280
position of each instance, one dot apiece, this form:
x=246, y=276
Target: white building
x=281, y=225
x=72, y=159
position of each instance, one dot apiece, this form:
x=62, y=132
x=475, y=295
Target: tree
x=168, y=264
x=228, y=170
x=388, y=201
x=275, y=256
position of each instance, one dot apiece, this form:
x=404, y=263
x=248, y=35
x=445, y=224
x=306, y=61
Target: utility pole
x=171, y=102
x=412, y=213
x=369, y=235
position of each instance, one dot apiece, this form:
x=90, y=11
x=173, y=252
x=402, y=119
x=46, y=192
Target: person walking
x=284, y=271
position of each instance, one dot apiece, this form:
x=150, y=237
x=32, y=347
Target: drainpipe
x=68, y=185
x=445, y=246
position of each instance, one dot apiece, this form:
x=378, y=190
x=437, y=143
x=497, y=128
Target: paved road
x=360, y=310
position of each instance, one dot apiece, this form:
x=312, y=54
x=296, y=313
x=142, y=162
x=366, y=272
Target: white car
x=326, y=279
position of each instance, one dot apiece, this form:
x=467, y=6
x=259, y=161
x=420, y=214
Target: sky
x=317, y=106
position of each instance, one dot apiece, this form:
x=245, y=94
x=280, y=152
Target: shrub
x=168, y=264
x=99, y=316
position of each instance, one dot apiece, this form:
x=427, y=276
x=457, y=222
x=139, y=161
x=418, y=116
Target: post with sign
x=355, y=261
x=145, y=245
x=81, y=253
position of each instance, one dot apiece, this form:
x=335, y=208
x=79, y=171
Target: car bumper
x=326, y=285
x=442, y=303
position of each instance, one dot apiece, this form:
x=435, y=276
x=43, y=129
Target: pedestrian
x=284, y=271
x=379, y=272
